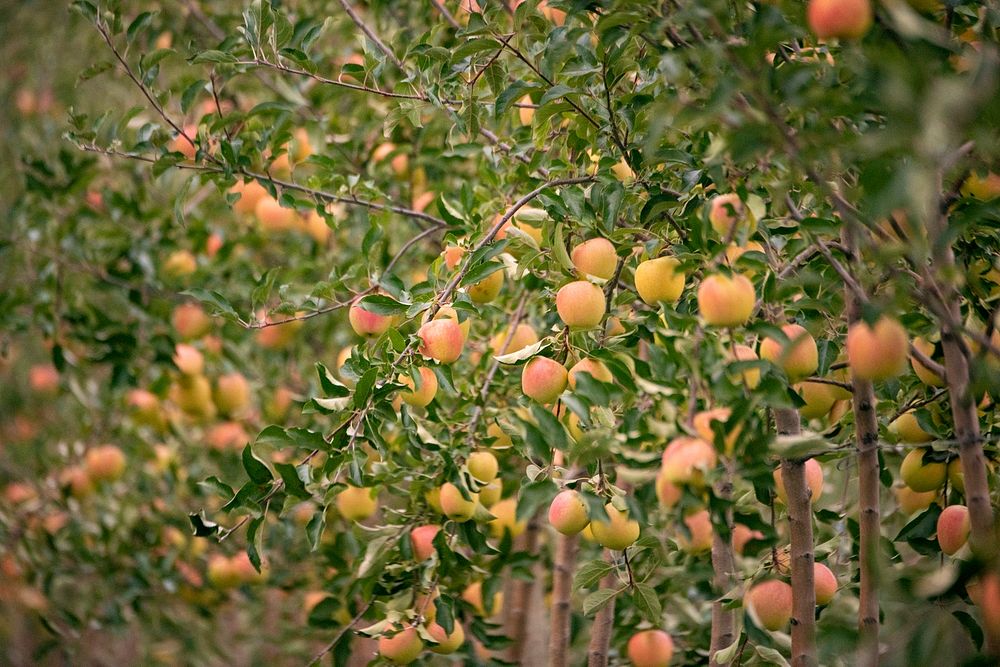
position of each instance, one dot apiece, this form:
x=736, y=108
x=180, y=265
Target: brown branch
x=562, y=590
x=446, y=14
x=516, y=622
x=371, y=34
x=336, y=638
x=604, y=623
x=335, y=82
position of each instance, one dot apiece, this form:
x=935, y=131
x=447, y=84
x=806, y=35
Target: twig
x=339, y=635
x=446, y=14
x=371, y=34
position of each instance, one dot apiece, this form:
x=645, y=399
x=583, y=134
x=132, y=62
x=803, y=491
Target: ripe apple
x=686, y=459
x=446, y=643
x=473, y=594
x=77, y=481
x=953, y=528
x=401, y=648
x=486, y=289
x=182, y=144
x=543, y=379
x=273, y=217
x=824, y=583
x=500, y=438
x=523, y=336
x=906, y=428
x=525, y=114
x=742, y=535
x=190, y=321
x=483, y=466
x=819, y=398
x=188, y=359
x=105, y=463
x=422, y=538
x=751, y=376
x=921, y=476
x=452, y=255
x=726, y=212
x=814, y=480
x=221, y=572
x=702, y=424
x=667, y=493
x=957, y=478
x=911, y=501
x=443, y=340
x=356, y=503
x=650, y=648
x=617, y=532
x=232, y=394
x=367, y=323
x=770, y=604
x=449, y=313
x=726, y=301
x=454, y=505
x=734, y=252
x=44, y=379
x=425, y=394
x=659, y=280
x=193, y=395
x=623, y=172
x=580, y=304
x=250, y=193
x=847, y=19
x=568, y=512
x=596, y=368
x=984, y=188
x=798, y=357
x=878, y=352
x=278, y=336
x=179, y=264
x=505, y=512
x=926, y=375
x=595, y=257
x=314, y=224
x=698, y=538
x=227, y=435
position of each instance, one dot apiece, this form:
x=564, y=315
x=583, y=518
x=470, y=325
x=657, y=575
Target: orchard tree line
x=556, y=332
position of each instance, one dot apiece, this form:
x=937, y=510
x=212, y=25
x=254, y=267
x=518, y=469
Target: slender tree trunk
x=604, y=621
x=520, y=599
x=793, y=474
x=562, y=589
x=866, y=432
x=723, y=562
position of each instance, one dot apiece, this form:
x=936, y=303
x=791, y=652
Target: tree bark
x=600, y=635
x=520, y=599
x=562, y=590
x=723, y=562
x=793, y=474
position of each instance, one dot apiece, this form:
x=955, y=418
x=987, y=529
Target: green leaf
x=381, y=304
x=533, y=496
x=140, y=22
x=315, y=528
x=255, y=541
x=591, y=573
x=480, y=272
x=648, y=603
x=214, y=57
x=598, y=600
x=294, y=485
x=258, y=473
x=202, y=526
x=364, y=387
x=214, y=299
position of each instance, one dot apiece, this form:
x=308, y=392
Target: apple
x=401, y=648
x=443, y=340
x=726, y=212
x=557, y=16
x=449, y=313
x=734, y=252
x=726, y=301
x=490, y=493
x=425, y=394
x=188, y=359
x=824, y=583
x=179, y=264
x=181, y=143
x=698, y=538
x=367, y=323
x=953, y=528
x=17, y=493
x=957, y=478
x=877, y=352
x=568, y=512
x=543, y=379
x=617, y=532
x=906, y=428
x=77, y=481
x=382, y=151
x=44, y=379
x=702, y=424
x=596, y=368
x=580, y=304
x=659, y=280
x=984, y=188
x=356, y=503
x=926, y=375
x=315, y=226
x=446, y=643
x=798, y=357
x=483, y=466
x=193, y=395
x=244, y=570
x=751, y=376
x=505, y=512
x=423, y=200
x=190, y=321
x=595, y=257
x=650, y=648
x=422, y=538
x=454, y=505
x=473, y=594
x=666, y=492
x=105, y=463
x=742, y=535
x=273, y=217
x=221, y=573
x=686, y=459
x=486, y=289
x=523, y=336
x=847, y=19
x=232, y=394
x=452, y=255
x=911, y=501
x=770, y=604
x=250, y=192
x=278, y=336
x=814, y=480
x=500, y=439
x=525, y=114
x=819, y=398
x=921, y=476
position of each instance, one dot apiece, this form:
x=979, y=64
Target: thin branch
x=446, y=14
x=339, y=635
x=334, y=82
x=371, y=34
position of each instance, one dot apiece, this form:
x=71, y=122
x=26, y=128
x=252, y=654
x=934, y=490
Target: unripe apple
x=770, y=604
x=726, y=301
x=179, y=264
x=221, y=573
x=953, y=528
x=686, y=459
x=879, y=352
x=824, y=583
x=273, y=217
x=702, y=424
x=500, y=438
x=568, y=512
x=188, y=359
x=799, y=357
x=906, y=428
x=505, y=512
x=315, y=226
x=367, y=323
x=667, y=493
x=483, y=466
x=698, y=538
x=446, y=643
x=751, y=376
x=742, y=535
x=580, y=304
x=523, y=336
x=659, y=280
x=543, y=379
x=926, y=375
x=454, y=505
x=911, y=501
x=595, y=367
x=525, y=114
x=190, y=321
x=356, y=503
x=486, y=289
x=402, y=648
x=726, y=212
x=489, y=495
x=244, y=570
x=433, y=498
x=650, y=648
x=193, y=395
x=105, y=463
x=425, y=394
x=848, y=19
x=595, y=257
x=232, y=394
x=819, y=399
x=617, y=532
x=814, y=480
x=422, y=538
x=44, y=379
x=957, y=478
x=921, y=476
x=473, y=594
x=251, y=192
x=443, y=340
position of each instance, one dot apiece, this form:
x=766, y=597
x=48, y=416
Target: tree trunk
x=793, y=474
x=600, y=635
x=562, y=590
x=723, y=562
x=520, y=599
